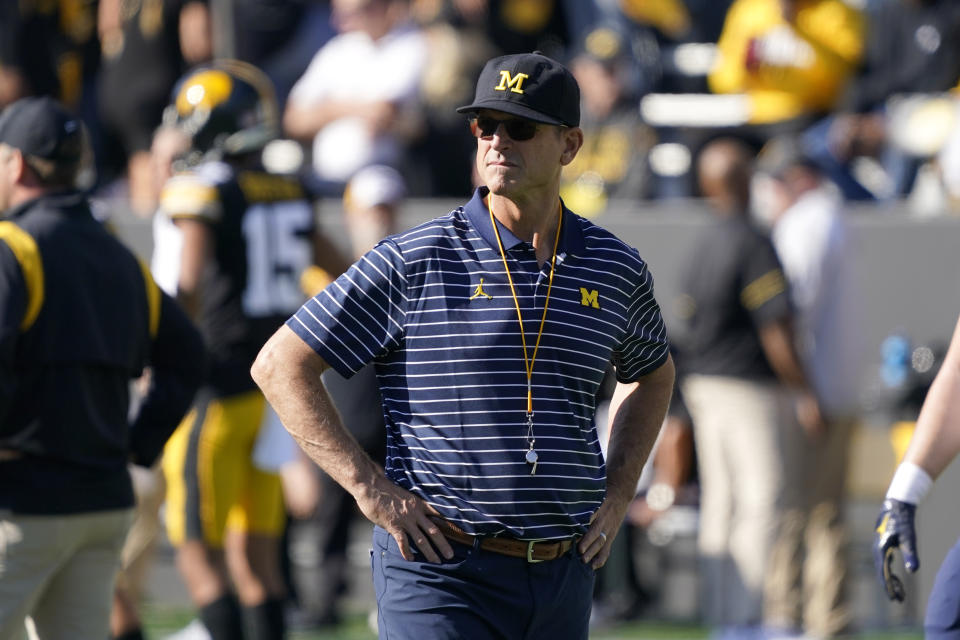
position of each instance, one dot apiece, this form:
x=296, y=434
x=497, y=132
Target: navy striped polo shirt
x=432, y=308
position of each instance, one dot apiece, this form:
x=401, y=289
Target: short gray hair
x=54, y=174
x=49, y=173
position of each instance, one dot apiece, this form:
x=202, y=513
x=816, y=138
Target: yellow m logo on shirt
x=590, y=298
x=514, y=83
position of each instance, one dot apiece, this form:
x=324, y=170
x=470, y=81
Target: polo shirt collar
x=571, y=242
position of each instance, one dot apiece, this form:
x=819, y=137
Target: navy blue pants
x=479, y=595
x=943, y=607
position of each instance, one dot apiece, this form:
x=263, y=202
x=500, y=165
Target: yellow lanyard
x=528, y=361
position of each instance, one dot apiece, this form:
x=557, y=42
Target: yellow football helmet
x=227, y=107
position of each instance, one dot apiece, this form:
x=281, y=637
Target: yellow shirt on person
x=788, y=68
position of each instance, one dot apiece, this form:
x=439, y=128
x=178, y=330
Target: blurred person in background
x=672, y=47
x=662, y=27
x=669, y=18
x=80, y=319
x=51, y=49
x=441, y=159
x=518, y=26
x=145, y=47
x=247, y=235
x=737, y=346
x=934, y=445
x=791, y=58
x=279, y=37
x=371, y=202
x=807, y=580
x=912, y=47
x=360, y=113
x=169, y=146
x=27, y=55
x=680, y=20
x=612, y=162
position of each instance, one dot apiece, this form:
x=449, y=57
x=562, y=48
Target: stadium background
x=908, y=274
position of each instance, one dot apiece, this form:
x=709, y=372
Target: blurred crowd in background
x=839, y=100
x=867, y=84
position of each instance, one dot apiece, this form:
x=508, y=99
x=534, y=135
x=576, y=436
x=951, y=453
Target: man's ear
x=573, y=140
x=17, y=165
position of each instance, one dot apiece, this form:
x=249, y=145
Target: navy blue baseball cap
x=529, y=85
x=41, y=127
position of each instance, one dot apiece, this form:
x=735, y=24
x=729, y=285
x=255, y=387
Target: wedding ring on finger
x=604, y=536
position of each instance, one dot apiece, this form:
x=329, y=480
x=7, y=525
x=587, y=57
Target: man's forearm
x=936, y=439
x=178, y=368
x=288, y=372
x=777, y=341
x=304, y=121
x=290, y=380
x=637, y=411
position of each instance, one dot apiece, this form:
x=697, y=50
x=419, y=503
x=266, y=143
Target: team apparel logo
x=514, y=83
x=590, y=298
x=480, y=292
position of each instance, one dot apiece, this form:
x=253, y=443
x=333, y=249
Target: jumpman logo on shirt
x=480, y=292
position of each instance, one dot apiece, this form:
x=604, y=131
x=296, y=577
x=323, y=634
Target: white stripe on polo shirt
x=451, y=368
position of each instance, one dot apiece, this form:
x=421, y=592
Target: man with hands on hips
x=935, y=443
x=490, y=329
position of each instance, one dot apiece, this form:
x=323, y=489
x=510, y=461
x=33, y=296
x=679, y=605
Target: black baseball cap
x=529, y=85
x=41, y=127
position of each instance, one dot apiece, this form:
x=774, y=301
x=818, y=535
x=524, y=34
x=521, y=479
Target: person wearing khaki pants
x=738, y=358
x=736, y=433
x=806, y=588
x=66, y=564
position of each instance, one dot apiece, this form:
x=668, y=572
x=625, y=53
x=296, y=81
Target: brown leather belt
x=529, y=550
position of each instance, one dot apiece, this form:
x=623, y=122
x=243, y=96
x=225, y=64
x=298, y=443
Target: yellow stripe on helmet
x=205, y=89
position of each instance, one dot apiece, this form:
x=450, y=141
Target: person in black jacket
x=79, y=318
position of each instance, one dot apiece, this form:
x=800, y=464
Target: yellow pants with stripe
x=212, y=483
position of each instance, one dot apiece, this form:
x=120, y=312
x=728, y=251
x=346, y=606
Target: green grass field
x=162, y=621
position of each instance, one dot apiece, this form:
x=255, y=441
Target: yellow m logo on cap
x=590, y=298
x=514, y=83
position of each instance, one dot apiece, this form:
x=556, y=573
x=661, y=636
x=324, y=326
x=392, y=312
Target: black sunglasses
x=516, y=128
